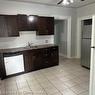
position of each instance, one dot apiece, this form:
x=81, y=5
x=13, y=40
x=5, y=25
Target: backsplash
x=24, y=38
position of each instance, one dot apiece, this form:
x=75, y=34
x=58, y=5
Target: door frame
x=78, y=42
x=68, y=18
x=92, y=66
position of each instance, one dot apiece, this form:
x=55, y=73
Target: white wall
x=86, y=10
x=61, y=36
x=82, y=13
x=11, y=7
x=25, y=37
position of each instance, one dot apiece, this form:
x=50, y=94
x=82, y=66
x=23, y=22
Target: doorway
x=60, y=37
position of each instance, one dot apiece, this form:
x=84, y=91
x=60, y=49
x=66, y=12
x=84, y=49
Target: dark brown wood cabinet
x=12, y=26
x=54, y=55
x=45, y=26
x=32, y=25
x=3, y=26
x=34, y=59
x=2, y=67
x=28, y=60
x=24, y=24
x=8, y=26
x=41, y=58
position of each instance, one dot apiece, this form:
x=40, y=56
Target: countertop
x=10, y=50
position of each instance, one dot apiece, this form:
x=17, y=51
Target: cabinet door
x=45, y=26
x=54, y=56
x=38, y=62
x=12, y=29
x=32, y=23
x=50, y=25
x=42, y=30
x=46, y=57
x=22, y=22
x=28, y=60
x=2, y=67
x=26, y=24
x=3, y=26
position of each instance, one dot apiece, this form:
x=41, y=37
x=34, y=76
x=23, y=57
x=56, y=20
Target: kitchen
x=24, y=57
x=24, y=40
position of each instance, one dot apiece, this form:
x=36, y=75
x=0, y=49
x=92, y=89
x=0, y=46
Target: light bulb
x=72, y=1
x=65, y=2
x=31, y=18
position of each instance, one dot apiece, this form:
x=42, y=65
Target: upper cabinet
x=12, y=27
x=27, y=23
x=8, y=26
x=3, y=26
x=45, y=26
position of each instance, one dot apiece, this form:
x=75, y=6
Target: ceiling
x=77, y=3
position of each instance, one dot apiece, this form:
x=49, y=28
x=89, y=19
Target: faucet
x=30, y=44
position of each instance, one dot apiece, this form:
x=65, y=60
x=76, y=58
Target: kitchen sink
x=30, y=47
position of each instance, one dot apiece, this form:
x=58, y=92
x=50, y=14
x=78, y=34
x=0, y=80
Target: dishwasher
x=14, y=63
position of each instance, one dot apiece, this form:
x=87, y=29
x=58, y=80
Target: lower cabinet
x=34, y=59
x=28, y=60
x=40, y=58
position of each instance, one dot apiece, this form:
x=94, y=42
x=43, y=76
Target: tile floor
x=69, y=78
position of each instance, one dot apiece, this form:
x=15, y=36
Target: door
x=85, y=52
x=86, y=42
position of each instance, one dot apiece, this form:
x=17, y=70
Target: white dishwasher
x=13, y=63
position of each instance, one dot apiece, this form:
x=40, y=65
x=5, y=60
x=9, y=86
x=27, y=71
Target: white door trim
x=92, y=67
x=68, y=18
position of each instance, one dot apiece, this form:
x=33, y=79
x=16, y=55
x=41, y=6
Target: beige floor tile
x=68, y=78
x=68, y=92
x=70, y=83
x=78, y=89
x=51, y=90
x=84, y=93
x=57, y=93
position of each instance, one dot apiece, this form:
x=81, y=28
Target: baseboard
x=65, y=56
x=60, y=54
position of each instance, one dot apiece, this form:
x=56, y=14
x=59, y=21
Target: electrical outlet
x=46, y=41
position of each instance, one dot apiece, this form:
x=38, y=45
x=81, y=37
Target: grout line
x=52, y=84
x=28, y=85
x=39, y=84
x=17, y=87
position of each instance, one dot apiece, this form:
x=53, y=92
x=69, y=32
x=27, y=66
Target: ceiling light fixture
x=65, y=2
